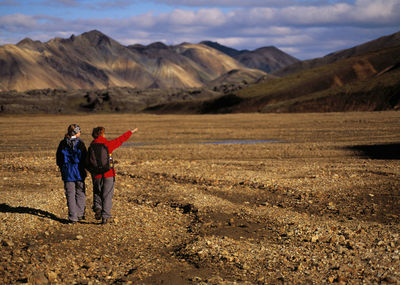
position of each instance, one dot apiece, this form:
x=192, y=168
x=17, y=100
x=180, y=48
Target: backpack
x=99, y=159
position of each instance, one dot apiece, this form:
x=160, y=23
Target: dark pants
x=103, y=191
x=76, y=199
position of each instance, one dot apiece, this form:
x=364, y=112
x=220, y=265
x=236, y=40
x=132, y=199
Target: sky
x=304, y=29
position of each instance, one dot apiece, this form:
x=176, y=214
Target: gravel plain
x=212, y=199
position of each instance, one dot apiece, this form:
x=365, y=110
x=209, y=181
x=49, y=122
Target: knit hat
x=76, y=130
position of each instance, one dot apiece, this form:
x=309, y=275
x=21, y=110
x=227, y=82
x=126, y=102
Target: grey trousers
x=76, y=199
x=103, y=191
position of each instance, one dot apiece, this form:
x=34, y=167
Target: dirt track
x=321, y=205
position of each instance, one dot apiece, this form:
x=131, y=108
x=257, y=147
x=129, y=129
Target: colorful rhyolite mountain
x=93, y=60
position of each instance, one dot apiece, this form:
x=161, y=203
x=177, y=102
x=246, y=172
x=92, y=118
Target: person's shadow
x=4, y=208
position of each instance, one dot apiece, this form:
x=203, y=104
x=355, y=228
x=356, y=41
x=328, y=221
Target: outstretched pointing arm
x=116, y=143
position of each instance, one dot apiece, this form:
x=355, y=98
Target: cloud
x=8, y=3
x=203, y=17
x=252, y=17
x=314, y=15
x=363, y=12
x=112, y=4
x=382, y=12
x=17, y=22
x=310, y=28
x=65, y=3
x=239, y=3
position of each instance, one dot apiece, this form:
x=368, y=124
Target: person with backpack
x=71, y=159
x=101, y=167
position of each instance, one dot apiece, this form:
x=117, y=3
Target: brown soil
x=319, y=206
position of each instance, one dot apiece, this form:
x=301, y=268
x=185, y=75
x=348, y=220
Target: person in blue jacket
x=71, y=157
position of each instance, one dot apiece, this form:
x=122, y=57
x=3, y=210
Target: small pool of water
x=238, y=142
x=138, y=144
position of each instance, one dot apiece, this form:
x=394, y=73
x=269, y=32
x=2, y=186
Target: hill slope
x=371, y=46
x=268, y=59
x=93, y=60
x=366, y=82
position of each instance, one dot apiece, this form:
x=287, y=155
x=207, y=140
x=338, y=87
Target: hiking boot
x=106, y=221
x=97, y=214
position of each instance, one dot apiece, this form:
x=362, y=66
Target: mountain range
x=361, y=78
x=92, y=72
x=93, y=60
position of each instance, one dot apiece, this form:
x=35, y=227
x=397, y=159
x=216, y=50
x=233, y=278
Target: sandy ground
x=319, y=204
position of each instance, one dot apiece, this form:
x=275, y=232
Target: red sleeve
x=116, y=143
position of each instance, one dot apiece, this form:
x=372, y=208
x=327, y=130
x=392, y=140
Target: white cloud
x=203, y=17
x=377, y=11
x=17, y=22
x=312, y=27
x=252, y=16
x=180, y=17
x=211, y=17
x=314, y=15
x=239, y=3
x=362, y=12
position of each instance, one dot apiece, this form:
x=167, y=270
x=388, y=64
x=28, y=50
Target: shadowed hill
x=371, y=46
x=268, y=59
x=368, y=82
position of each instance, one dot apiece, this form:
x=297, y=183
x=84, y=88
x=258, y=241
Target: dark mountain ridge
x=227, y=50
x=267, y=59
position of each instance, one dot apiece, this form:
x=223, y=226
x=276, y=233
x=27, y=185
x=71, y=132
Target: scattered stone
x=210, y=232
x=314, y=238
x=38, y=278
x=6, y=242
x=52, y=276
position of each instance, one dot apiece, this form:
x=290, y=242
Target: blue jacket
x=71, y=159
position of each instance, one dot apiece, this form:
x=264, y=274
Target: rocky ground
x=318, y=205
x=110, y=100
